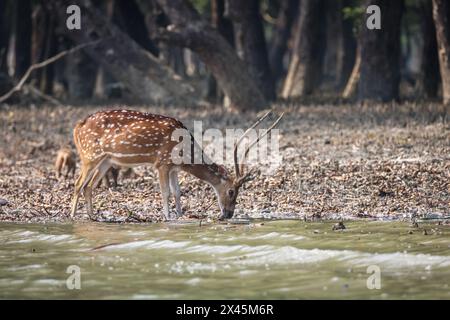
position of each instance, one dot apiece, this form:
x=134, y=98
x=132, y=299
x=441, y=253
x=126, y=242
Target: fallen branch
x=42, y=64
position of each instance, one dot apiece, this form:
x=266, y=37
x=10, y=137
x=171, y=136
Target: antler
x=239, y=169
x=236, y=145
x=257, y=140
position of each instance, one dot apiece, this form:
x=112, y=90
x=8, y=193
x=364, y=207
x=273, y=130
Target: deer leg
x=87, y=171
x=65, y=166
x=58, y=166
x=67, y=170
x=100, y=172
x=87, y=192
x=78, y=184
x=76, y=197
x=175, y=189
x=165, y=190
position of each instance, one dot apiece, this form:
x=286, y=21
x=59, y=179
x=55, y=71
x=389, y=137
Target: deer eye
x=231, y=193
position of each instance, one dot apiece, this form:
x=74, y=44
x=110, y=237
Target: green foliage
x=355, y=13
x=270, y=7
x=202, y=6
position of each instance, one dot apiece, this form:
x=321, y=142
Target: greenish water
x=279, y=259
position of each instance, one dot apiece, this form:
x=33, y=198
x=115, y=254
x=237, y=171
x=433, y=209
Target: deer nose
x=226, y=214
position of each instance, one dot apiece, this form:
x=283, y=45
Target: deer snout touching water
x=128, y=138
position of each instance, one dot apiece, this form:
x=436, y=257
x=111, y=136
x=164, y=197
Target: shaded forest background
x=242, y=54
x=365, y=131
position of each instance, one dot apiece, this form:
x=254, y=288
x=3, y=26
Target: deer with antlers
x=129, y=138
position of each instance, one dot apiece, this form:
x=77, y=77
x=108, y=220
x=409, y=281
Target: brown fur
x=65, y=159
x=126, y=138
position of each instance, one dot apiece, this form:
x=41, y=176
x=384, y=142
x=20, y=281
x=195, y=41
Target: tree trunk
x=22, y=26
x=441, y=16
x=349, y=45
x=430, y=77
x=175, y=59
x=220, y=22
x=123, y=58
x=133, y=23
x=352, y=83
x=51, y=44
x=225, y=28
x=5, y=81
x=4, y=35
x=81, y=73
x=286, y=16
x=332, y=64
x=104, y=79
x=305, y=68
x=189, y=30
x=43, y=45
x=251, y=41
x=380, y=54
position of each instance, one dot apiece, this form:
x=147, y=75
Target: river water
x=261, y=260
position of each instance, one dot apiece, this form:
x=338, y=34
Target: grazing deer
x=128, y=138
x=65, y=159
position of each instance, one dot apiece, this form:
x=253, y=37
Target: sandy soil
x=342, y=161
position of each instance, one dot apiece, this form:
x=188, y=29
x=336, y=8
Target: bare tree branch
x=43, y=64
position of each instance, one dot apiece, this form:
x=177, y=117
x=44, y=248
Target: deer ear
x=222, y=171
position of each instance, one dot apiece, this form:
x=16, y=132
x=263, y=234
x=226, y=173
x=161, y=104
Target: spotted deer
x=129, y=138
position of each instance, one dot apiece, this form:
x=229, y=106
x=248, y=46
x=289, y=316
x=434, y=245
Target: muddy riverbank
x=345, y=161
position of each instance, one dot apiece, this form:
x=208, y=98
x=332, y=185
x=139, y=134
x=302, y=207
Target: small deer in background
x=65, y=159
x=128, y=138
